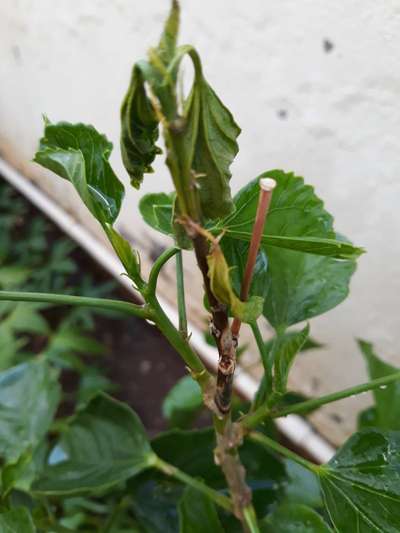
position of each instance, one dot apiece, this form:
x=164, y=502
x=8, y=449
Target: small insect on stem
x=267, y=186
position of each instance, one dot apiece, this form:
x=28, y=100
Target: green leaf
x=70, y=339
x=182, y=403
x=218, y=272
x=193, y=452
x=13, y=275
x=155, y=499
x=309, y=344
x=312, y=245
x=294, y=518
x=197, y=513
x=368, y=418
x=105, y=444
x=301, y=486
x=160, y=211
x=26, y=318
x=236, y=252
x=20, y=475
x=128, y=257
x=361, y=483
x=167, y=45
x=80, y=154
x=387, y=398
x=17, y=520
x=156, y=210
x=284, y=351
x=302, y=286
x=296, y=218
x=298, y=285
x=29, y=395
x=139, y=129
x=212, y=142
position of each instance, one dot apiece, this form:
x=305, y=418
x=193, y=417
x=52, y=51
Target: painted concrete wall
x=314, y=86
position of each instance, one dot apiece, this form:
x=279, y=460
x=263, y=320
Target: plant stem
x=141, y=311
x=251, y=519
x=180, y=290
x=180, y=165
x=340, y=395
x=155, y=271
x=273, y=445
x=182, y=346
x=227, y=457
x=267, y=185
x=263, y=353
x=171, y=470
x=252, y=420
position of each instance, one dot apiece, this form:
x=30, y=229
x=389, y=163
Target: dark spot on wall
x=327, y=45
x=315, y=383
x=282, y=114
x=16, y=52
x=336, y=418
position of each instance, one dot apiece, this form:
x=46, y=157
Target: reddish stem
x=266, y=187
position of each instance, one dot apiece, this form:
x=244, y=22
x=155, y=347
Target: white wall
x=332, y=116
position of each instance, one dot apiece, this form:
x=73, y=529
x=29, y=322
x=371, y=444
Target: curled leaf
x=139, y=129
x=212, y=131
x=218, y=272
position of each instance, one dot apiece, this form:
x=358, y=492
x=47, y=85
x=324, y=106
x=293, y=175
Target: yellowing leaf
x=218, y=272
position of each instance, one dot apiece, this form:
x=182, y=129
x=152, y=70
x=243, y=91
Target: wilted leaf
x=183, y=402
x=218, y=272
x=197, y=513
x=80, y=154
x=139, y=129
x=361, y=483
x=29, y=395
x=212, y=131
x=294, y=518
x=387, y=397
x=105, y=444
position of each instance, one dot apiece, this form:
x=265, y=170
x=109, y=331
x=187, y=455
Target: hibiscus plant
x=268, y=253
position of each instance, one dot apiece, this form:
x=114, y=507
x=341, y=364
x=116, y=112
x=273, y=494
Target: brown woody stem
x=226, y=452
x=220, y=329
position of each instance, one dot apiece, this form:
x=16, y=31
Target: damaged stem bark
x=226, y=454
